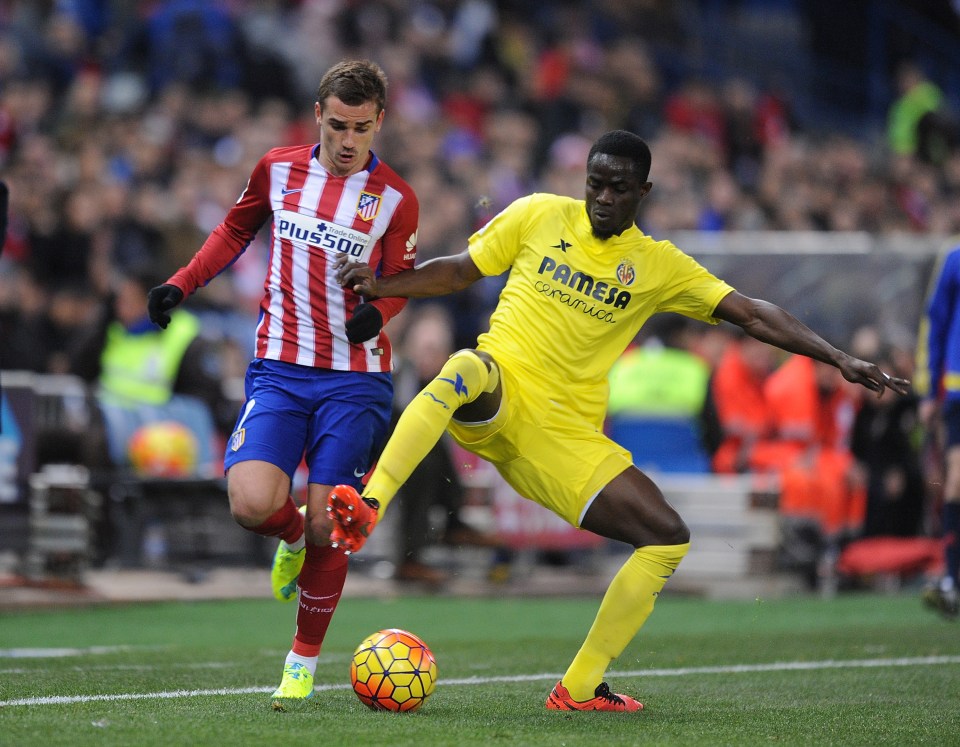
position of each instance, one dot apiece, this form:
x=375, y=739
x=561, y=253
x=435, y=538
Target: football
x=393, y=670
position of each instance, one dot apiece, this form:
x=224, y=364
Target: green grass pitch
x=861, y=669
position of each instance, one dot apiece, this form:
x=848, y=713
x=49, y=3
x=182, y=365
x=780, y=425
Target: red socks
x=321, y=579
x=286, y=523
x=321, y=583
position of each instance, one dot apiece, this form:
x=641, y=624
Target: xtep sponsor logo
x=458, y=386
x=562, y=246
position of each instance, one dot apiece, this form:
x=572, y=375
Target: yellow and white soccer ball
x=393, y=670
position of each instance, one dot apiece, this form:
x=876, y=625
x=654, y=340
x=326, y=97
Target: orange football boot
x=354, y=517
x=602, y=700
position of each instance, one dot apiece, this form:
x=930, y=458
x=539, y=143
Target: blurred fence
x=833, y=282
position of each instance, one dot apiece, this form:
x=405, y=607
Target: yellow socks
x=625, y=607
x=461, y=380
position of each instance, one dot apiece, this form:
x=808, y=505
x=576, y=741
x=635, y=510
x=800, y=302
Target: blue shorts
x=337, y=420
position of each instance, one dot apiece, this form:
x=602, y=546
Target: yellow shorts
x=545, y=452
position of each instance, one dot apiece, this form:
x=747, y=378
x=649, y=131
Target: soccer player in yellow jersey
x=531, y=397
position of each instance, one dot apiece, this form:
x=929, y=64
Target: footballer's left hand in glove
x=365, y=324
x=160, y=301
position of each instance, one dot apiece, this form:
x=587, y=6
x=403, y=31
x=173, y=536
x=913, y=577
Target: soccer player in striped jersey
x=319, y=387
x=531, y=398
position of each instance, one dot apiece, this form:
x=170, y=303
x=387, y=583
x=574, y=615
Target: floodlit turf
x=857, y=670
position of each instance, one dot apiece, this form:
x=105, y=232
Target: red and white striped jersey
x=371, y=216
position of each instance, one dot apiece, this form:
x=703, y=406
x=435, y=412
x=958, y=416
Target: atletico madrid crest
x=368, y=206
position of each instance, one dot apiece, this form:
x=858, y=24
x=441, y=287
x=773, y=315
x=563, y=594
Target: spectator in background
x=657, y=391
x=724, y=207
x=696, y=111
x=813, y=411
x=884, y=442
x=938, y=385
x=633, y=69
x=749, y=442
x=41, y=326
x=745, y=422
x=145, y=375
x=918, y=123
x=195, y=42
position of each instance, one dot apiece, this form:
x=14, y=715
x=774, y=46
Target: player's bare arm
x=436, y=277
x=771, y=324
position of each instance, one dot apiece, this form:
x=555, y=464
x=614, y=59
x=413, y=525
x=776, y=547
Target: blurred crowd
x=127, y=130
x=847, y=465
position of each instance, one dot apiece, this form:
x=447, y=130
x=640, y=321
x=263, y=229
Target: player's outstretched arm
x=436, y=277
x=771, y=324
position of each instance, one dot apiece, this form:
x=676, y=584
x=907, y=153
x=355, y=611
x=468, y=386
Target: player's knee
x=318, y=527
x=244, y=513
x=244, y=510
x=493, y=371
x=675, y=532
x=251, y=501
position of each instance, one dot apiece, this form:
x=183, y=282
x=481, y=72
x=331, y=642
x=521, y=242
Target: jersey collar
x=372, y=162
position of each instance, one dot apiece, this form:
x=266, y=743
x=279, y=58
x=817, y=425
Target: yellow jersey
x=572, y=302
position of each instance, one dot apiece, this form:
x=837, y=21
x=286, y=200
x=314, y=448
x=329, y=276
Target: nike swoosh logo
x=290, y=191
x=359, y=472
x=326, y=596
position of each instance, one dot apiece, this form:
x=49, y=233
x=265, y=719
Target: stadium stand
x=767, y=120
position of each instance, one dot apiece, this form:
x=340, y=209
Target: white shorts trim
x=586, y=506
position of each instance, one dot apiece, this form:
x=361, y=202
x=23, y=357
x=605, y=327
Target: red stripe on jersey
x=322, y=339
x=292, y=191
x=375, y=186
x=289, y=347
x=328, y=205
x=280, y=275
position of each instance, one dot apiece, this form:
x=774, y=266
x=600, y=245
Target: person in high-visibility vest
x=144, y=375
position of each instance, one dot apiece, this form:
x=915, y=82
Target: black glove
x=366, y=322
x=160, y=300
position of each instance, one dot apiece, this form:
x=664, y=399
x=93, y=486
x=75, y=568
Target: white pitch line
x=58, y=653
x=787, y=666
